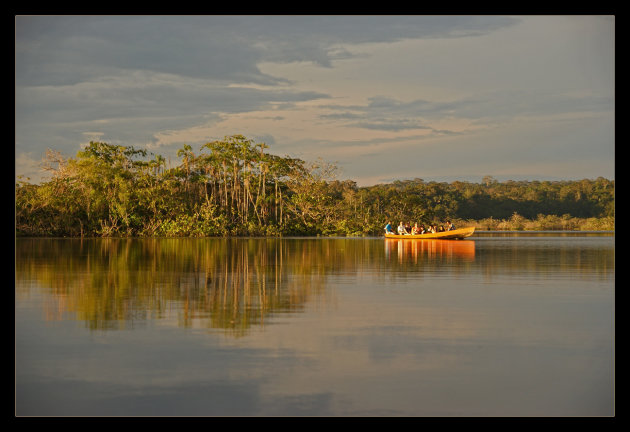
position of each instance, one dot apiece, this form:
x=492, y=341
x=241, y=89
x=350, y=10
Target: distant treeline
x=233, y=187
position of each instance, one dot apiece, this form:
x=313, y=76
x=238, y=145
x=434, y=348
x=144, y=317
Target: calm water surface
x=496, y=325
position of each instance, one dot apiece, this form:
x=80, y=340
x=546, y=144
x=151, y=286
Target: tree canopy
x=234, y=187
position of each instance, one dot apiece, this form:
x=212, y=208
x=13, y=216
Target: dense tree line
x=234, y=187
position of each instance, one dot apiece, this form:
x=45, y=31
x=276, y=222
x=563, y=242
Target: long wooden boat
x=445, y=235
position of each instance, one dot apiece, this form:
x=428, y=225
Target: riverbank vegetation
x=234, y=187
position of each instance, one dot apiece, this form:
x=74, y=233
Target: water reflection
x=234, y=284
x=429, y=250
x=547, y=256
x=490, y=326
x=217, y=283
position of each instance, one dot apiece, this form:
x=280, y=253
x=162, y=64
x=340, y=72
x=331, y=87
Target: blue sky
x=441, y=98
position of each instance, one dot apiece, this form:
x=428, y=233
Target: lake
x=500, y=324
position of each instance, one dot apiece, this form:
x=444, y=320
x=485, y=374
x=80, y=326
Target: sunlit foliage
x=233, y=187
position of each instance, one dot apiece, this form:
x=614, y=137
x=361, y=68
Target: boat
x=444, y=235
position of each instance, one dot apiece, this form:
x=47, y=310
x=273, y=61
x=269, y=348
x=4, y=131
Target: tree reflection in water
x=228, y=284
x=234, y=284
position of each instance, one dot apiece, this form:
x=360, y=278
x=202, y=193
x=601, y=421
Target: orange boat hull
x=445, y=235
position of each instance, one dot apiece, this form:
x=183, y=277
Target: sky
x=384, y=98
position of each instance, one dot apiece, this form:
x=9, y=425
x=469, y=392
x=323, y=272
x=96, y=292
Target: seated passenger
x=449, y=226
x=388, y=228
x=401, y=229
x=415, y=230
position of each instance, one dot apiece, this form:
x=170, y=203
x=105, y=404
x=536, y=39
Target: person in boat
x=408, y=227
x=441, y=228
x=388, y=228
x=401, y=229
x=449, y=226
x=422, y=229
x=416, y=229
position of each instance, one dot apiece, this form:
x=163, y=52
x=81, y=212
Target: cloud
x=69, y=49
x=180, y=70
x=386, y=113
x=134, y=106
x=337, y=85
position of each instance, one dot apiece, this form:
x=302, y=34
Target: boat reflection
x=416, y=250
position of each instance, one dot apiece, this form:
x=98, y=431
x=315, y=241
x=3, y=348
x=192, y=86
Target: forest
x=235, y=187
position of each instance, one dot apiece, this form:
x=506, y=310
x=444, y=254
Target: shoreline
x=486, y=232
